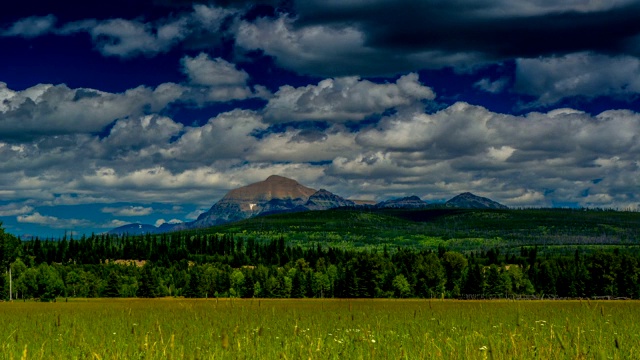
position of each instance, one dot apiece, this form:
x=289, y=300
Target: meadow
x=176, y=328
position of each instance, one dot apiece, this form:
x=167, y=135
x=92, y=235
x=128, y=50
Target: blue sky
x=150, y=111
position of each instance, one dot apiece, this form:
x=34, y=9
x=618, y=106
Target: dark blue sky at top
x=500, y=57
x=56, y=60
x=73, y=60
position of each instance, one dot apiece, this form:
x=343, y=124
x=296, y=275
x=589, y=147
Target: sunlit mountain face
x=149, y=112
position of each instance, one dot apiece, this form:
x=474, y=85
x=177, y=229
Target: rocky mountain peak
x=323, y=200
x=468, y=200
x=405, y=202
x=274, y=187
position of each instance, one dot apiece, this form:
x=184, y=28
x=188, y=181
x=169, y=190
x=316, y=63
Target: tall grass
x=319, y=329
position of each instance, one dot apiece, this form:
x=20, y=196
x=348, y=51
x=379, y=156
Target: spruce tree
x=147, y=284
x=112, y=289
x=193, y=289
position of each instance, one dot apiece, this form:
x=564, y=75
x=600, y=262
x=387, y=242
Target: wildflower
x=484, y=348
x=373, y=341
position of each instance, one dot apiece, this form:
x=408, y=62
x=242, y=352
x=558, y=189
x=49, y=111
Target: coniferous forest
x=229, y=262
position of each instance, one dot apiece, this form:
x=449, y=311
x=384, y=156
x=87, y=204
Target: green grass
x=319, y=329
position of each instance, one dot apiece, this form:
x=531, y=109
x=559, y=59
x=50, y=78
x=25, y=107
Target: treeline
x=206, y=265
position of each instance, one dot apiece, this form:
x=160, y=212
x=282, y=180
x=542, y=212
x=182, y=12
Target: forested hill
x=346, y=253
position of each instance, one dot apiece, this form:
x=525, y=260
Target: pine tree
x=298, y=285
x=112, y=289
x=147, y=284
x=193, y=289
x=474, y=282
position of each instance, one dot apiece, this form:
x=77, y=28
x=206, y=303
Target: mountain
x=409, y=202
x=468, y=200
x=278, y=194
x=275, y=194
x=134, y=229
x=324, y=200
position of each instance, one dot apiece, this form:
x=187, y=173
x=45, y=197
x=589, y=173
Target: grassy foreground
x=319, y=329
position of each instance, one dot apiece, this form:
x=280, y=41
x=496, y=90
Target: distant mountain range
x=278, y=194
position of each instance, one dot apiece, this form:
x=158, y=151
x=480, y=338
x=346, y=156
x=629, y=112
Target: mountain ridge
x=468, y=200
x=278, y=194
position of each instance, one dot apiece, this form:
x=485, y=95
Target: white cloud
x=344, y=99
x=144, y=133
x=128, y=210
x=47, y=109
x=504, y=8
x=493, y=87
x=202, y=70
x=215, y=80
x=52, y=221
x=227, y=136
x=338, y=49
x=585, y=74
x=305, y=145
x=114, y=224
x=210, y=17
x=31, y=27
x=163, y=221
x=459, y=129
x=307, y=49
x=14, y=209
x=529, y=160
x=517, y=159
x=124, y=38
x=195, y=213
x=128, y=38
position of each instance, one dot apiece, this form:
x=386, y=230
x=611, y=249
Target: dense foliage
x=267, y=258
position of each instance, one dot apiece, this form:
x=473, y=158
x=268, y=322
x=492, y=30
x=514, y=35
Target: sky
x=150, y=111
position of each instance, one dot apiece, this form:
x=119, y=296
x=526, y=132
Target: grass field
x=319, y=329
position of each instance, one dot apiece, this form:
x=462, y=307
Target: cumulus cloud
x=31, y=27
x=227, y=136
x=511, y=157
x=128, y=210
x=46, y=109
x=114, y=224
x=202, y=70
x=457, y=130
x=530, y=160
x=360, y=38
x=138, y=135
x=128, y=38
x=490, y=86
x=523, y=26
x=305, y=145
x=52, y=221
x=13, y=209
x=195, y=213
x=215, y=79
x=125, y=38
x=552, y=79
x=344, y=99
x=163, y=221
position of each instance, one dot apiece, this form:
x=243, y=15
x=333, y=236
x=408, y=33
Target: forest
x=267, y=258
